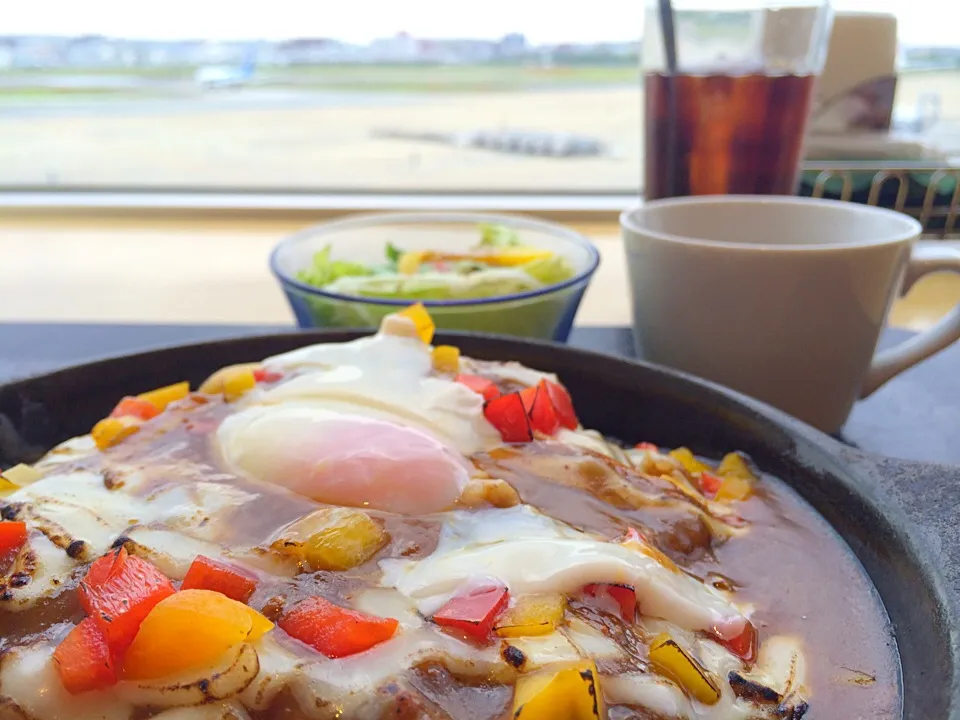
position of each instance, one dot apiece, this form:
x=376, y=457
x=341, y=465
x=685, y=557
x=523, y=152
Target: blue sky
x=921, y=21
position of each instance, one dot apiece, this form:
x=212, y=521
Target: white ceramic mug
x=781, y=298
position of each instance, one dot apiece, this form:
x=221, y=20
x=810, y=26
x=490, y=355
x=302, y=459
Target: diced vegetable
x=734, y=487
x=532, y=615
x=562, y=404
x=421, y=320
x=543, y=415
x=709, y=484
x=446, y=359
x=135, y=407
x=571, y=692
x=513, y=256
x=409, y=263
x=119, y=591
x=623, y=597
x=549, y=407
x=191, y=628
x=161, y=397
x=735, y=465
x=480, y=385
x=21, y=475
x=689, y=462
x=13, y=536
x=649, y=447
x=214, y=385
x=335, y=631
x=743, y=645
x=473, y=614
x=110, y=431
x=238, y=384
x=7, y=487
x=333, y=539
x=262, y=375
x=670, y=660
x=506, y=414
x=206, y=574
x=83, y=660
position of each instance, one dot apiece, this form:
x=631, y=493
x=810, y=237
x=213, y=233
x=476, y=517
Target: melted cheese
x=546, y=556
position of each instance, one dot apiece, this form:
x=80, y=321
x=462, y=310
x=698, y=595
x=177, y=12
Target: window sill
x=563, y=207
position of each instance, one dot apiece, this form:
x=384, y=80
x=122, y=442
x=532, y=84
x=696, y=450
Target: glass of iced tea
x=727, y=101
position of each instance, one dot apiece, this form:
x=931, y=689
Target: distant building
x=314, y=51
x=513, y=45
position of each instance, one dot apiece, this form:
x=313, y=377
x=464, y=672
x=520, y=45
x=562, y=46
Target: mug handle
x=926, y=258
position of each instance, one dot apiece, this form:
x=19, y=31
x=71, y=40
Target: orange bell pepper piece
x=192, y=628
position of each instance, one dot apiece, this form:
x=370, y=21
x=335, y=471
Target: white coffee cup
x=781, y=298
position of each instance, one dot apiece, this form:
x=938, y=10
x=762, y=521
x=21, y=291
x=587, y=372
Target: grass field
x=313, y=128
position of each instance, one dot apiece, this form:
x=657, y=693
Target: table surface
x=916, y=416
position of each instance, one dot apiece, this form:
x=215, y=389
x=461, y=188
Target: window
x=513, y=96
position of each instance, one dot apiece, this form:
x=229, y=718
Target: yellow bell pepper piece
x=21, y=475
x=214, y=384
x=238, y=384
x=735, y=465
x=509, y=257
x=161, y=397
x=421, y=320
x=410, y=262
x=689, y=461
x=12, y=479
x=333, y=539
x=191, y=628
x=734, y=487
x=669, y=659
x=568, y=693
x=110, y=431
x=532, y=615
x=446, y=359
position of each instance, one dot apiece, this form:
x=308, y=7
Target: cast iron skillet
x=898, y=518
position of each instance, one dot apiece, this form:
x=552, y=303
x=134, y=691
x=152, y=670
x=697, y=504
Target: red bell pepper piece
x=743, y=645
x=480, y=385
x=13, y=536
x=562, y=404
x=118, y=592
x=206, y=574
x=507, y=415
x=542, y=413
x=473, y=614
x=262, y=375
x=709, y=484
x=83, y=659
x=649, y=447
x=335, y=631
x=135, y=407
x=624, y=596
x=528, y=395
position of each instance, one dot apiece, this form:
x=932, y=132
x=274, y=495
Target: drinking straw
x=669, y=32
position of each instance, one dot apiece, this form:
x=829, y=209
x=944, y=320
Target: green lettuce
x=324, y=270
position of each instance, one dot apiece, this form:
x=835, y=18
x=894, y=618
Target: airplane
x=213, y=77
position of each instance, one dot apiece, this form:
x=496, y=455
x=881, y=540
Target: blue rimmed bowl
x=545, y=312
